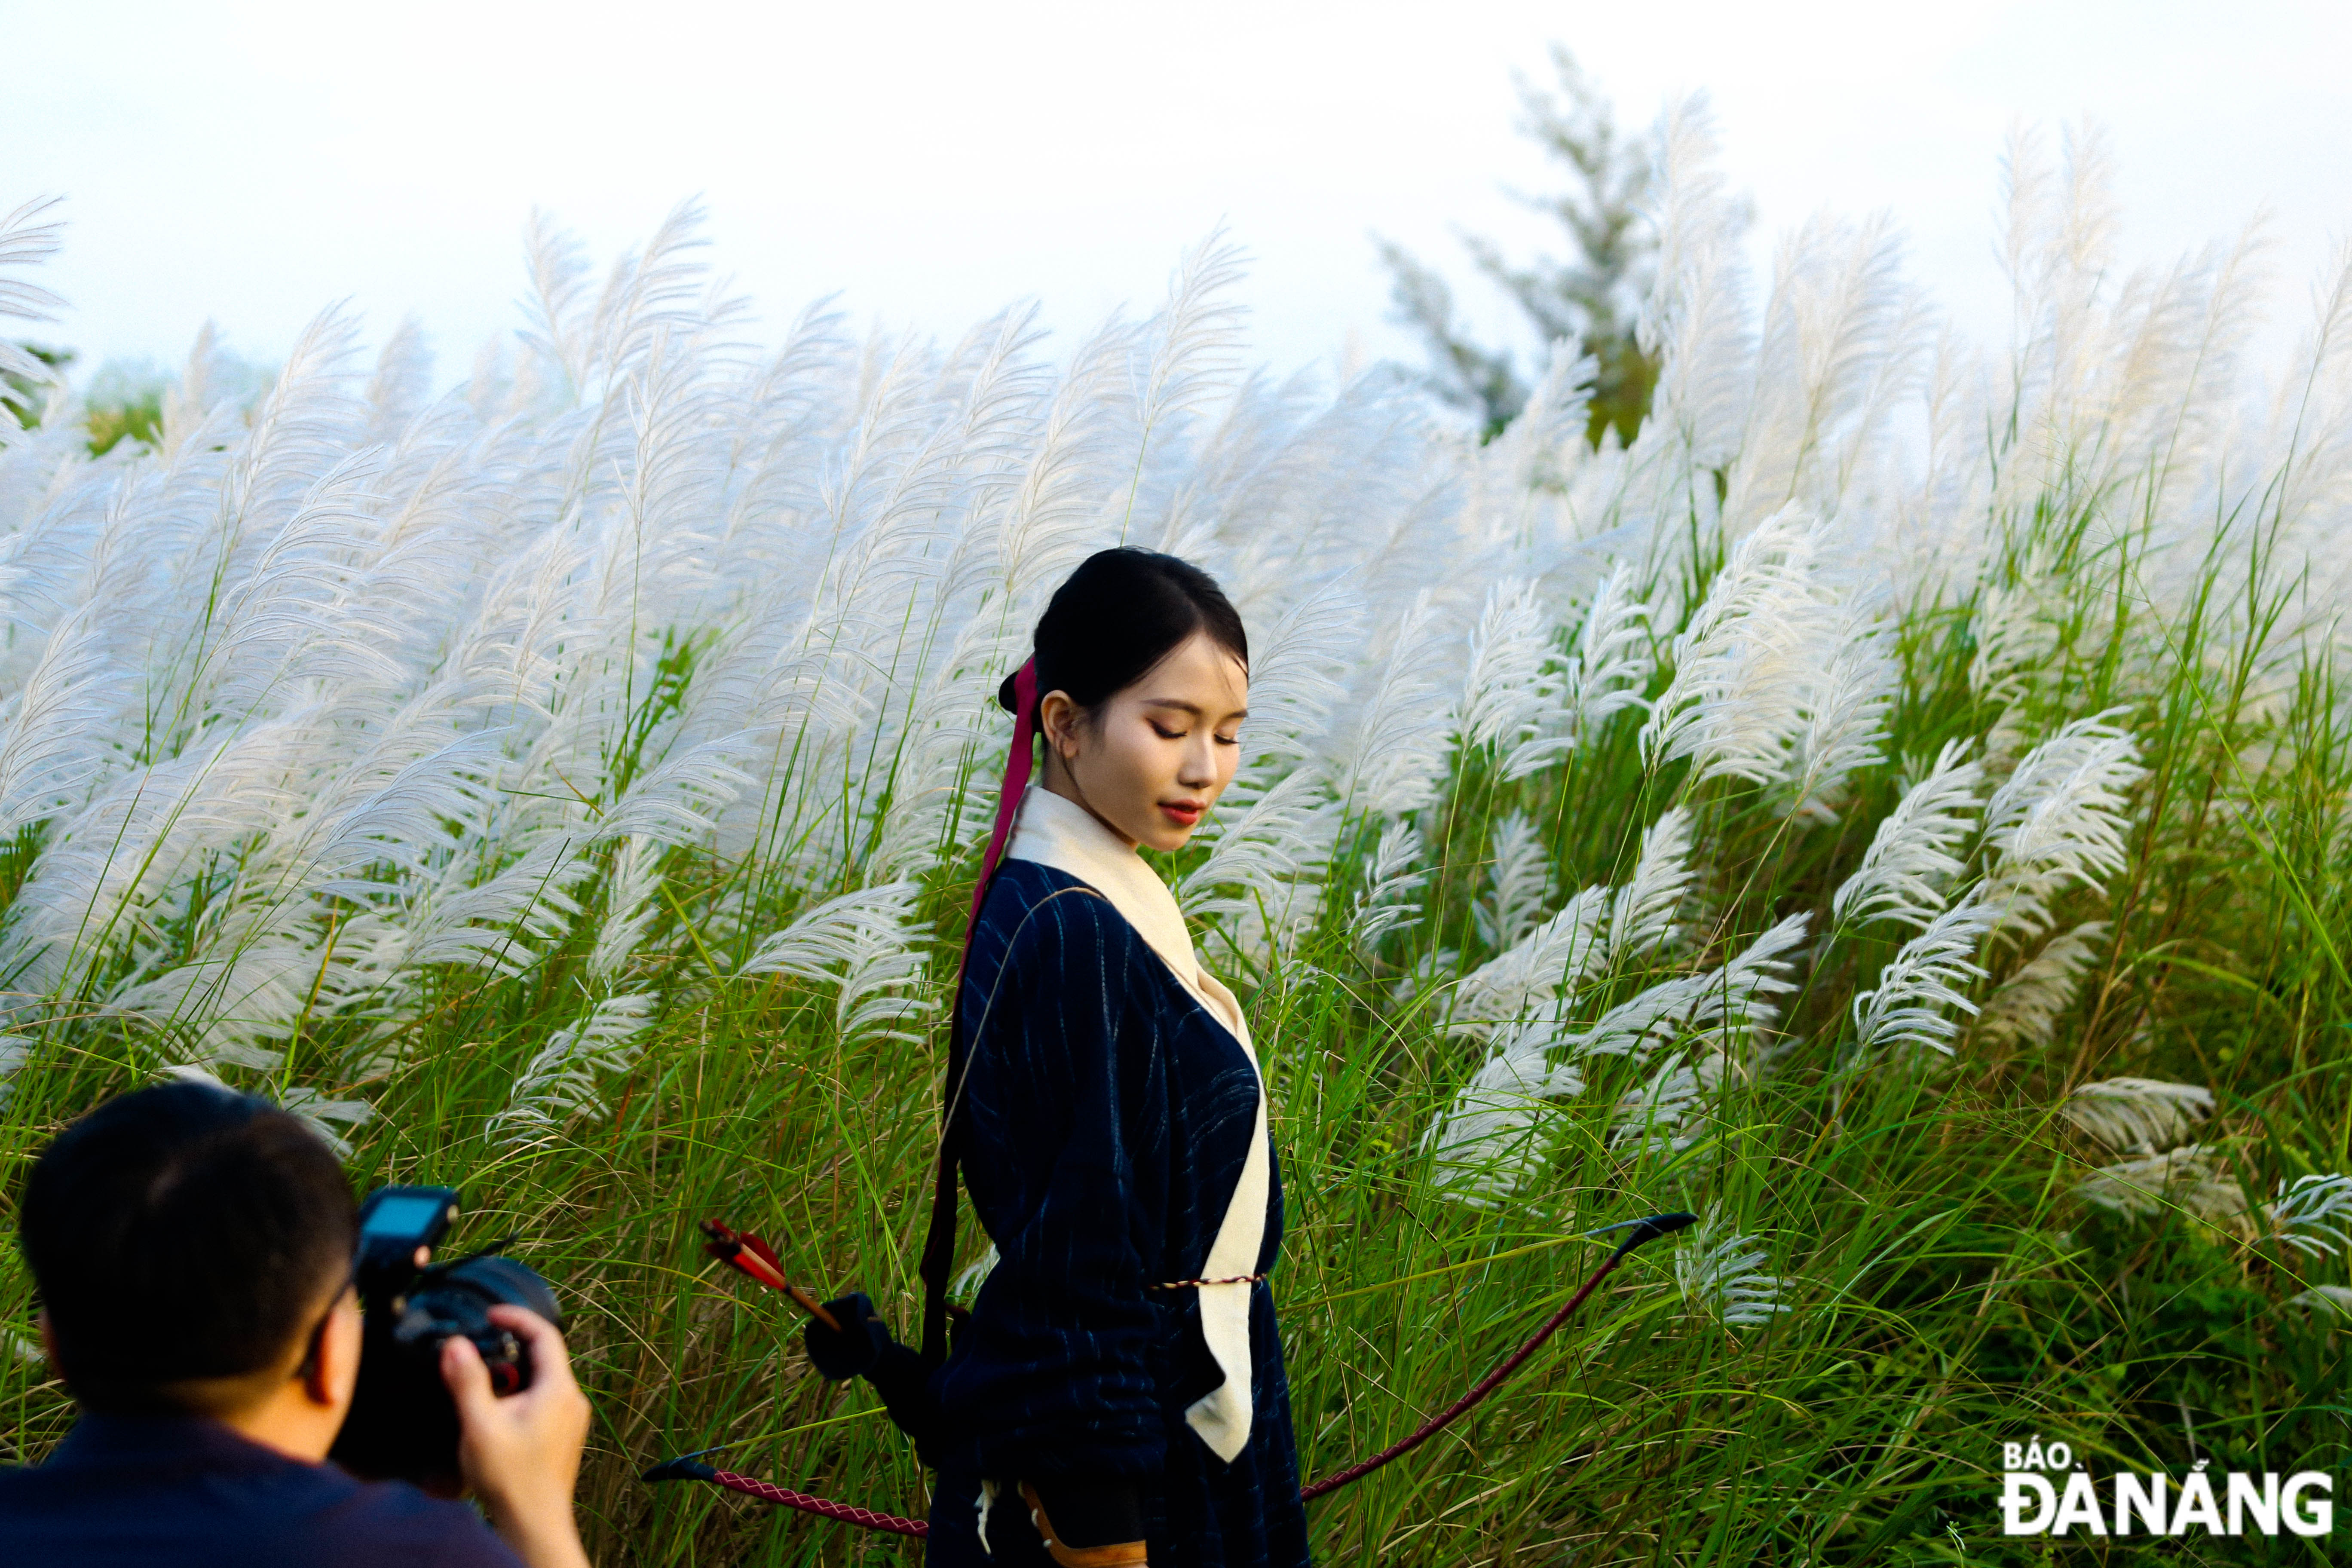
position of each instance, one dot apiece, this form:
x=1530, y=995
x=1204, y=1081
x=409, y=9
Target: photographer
x=192, y=1249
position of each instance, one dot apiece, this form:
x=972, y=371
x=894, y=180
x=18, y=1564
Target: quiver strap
x=938, y=1245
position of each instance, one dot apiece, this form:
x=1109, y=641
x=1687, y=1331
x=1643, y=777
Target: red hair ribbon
x=1017, y=763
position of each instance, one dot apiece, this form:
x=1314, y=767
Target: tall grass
x=1897, y=808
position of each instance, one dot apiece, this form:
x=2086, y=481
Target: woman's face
x=1151, y=760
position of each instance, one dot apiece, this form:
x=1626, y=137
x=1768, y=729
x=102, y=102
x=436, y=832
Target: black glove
x=864, y=1337
x=866, y=1349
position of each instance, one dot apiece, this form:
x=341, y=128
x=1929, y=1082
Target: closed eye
x=1165, y=734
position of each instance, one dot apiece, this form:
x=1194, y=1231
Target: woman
x=1116, y=1394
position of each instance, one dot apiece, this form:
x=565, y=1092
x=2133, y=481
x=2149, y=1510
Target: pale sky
x=252, y=162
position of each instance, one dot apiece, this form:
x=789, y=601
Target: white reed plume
x=1598, y=930
x=1613, y=661
x=2310, y=1215
x=1519, y=882
x=1391, y=750
x=1721, y=1005
x=1300, y=676
x=1641, y=913
x=679, y=800
x=826, y=937
x=1699, y=317
x=2137, y=1115
x=25, y=240
x=1841, y=339
x=631, y=905
x=1912, y=1003
x=2059, y=820
x=1491, y=1135
x=1741, y=677
x=1854, y=682
x=136, y=845
x=2027, y=1007
x=1722, y=1274
x=862, y=941
x=499, y=923
x=1561, y=953
x=1911, y=855
x=1262, y=878
x=952, y=720
x=1508, y=685
x=402, y=382
x=1491, y=1140
x=1198, y=353
x=57, y=730
x=2016, y=630
x=2192, y=1178
x=1392, y=882
x=1505, y=477
x=1667, y=1111
x=565, y=1078
x=1054, y=515
x=1602, y=677
x=933, y=765
x=873, y=1004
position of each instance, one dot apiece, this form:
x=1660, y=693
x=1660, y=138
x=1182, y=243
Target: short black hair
x=1121, y=612
x=180, y=1231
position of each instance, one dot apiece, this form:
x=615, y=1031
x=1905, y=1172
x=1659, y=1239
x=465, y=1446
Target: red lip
x=1184, y=813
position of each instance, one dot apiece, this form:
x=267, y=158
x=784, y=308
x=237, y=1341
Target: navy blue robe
x=1109, y=1114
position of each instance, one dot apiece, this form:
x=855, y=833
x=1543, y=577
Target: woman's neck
x=1058, y=779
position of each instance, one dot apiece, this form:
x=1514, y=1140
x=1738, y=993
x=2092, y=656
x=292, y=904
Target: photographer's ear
x=49, y=1343
x=331, y=1366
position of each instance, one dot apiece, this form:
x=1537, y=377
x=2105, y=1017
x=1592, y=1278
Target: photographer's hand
x=520, y=1455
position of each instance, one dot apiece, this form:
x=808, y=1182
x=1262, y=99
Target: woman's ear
x=1058, y=716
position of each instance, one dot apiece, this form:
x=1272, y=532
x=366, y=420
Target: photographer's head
x=194, y=1253
x=192, y=1247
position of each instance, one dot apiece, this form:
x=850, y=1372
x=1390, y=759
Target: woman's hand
x=863, y=1339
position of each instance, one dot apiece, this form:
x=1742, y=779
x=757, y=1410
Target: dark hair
x=1121, y=612
x=181, y=1232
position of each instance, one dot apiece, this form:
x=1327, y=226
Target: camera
x=403, y=1424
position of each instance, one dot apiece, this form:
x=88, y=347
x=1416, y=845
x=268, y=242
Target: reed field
x=1896, y=809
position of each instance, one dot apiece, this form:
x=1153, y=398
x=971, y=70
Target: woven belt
x=1188, y=1284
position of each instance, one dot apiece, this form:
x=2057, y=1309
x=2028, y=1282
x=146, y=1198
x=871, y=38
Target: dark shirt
x=1110, y=1114
x=182, y=1492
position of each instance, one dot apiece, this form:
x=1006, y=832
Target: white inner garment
x=1053, y=831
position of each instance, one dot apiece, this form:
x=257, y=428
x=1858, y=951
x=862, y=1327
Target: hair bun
x=1008, y=695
